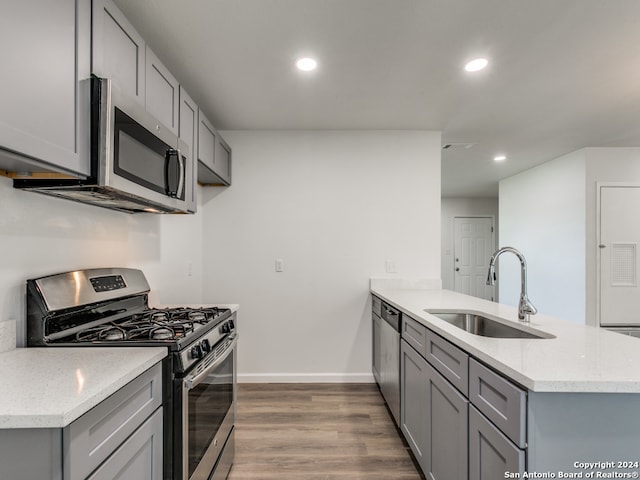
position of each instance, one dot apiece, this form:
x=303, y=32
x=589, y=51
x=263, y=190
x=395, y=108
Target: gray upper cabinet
x=45, y=86
x=162, y=92
x=118, y=50
x=206, y=141
x=214, y=155
x=223, y=160
x=188, y=131
x=207, y=138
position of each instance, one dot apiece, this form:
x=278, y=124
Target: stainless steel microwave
x=138, y=164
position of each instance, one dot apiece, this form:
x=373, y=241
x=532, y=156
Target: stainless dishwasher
x=386, y=353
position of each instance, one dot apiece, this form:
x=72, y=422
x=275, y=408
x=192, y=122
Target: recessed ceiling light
x=476, y=65
x=500, y=158
x=306, y=64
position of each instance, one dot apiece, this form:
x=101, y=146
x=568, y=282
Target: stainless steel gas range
x=109, y=307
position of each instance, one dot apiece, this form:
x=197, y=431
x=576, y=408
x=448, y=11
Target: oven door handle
x=194, y=380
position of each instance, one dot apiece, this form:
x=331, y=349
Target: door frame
x=494, y=232
x=598, y=256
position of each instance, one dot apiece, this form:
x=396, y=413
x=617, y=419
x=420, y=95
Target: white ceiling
x=564, y=74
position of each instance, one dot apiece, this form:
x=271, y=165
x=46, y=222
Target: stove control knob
x=231, y=325
x=225, y=328
x=196, y=352
x=206, y=346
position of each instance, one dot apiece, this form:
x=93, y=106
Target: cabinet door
x=162, y=92
x=214, y=155
x=376, y=352
x=45, y=85
x=414, y=394
x=139, y=458
x=491, y=454
x=451, y=362
x=447, y=417
x=93, y=437
x=118, y=50
x=415, y=334
x=499, y=400
x=434, y=418
x=223, y=160
x=188, y=132
x=206, y=141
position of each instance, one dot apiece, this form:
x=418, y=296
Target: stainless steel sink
x=485, y=327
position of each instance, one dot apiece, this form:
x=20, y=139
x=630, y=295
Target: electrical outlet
x=390, y=266
x=279, y=265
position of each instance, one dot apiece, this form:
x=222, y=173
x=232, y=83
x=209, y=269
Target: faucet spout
x=525, y=307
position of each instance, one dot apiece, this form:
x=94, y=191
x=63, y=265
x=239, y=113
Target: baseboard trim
x=305, y=378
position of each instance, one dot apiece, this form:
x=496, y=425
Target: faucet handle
x=525, y=309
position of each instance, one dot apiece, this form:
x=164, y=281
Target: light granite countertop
x=579, y=359
x=51, y=387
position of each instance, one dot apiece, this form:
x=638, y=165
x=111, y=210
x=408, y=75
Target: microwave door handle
x=182, y=174
x=171, y=192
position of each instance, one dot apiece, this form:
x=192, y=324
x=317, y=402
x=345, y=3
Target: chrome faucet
x=525, y=307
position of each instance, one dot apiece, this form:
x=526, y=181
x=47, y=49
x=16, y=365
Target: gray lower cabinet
x=413, y=400
x=502, y=402
x=139, y=457
x=121, y=438
x=443, y=393
x=44, y=126
x=491, y=454
x=463, y=419
x=434, y=418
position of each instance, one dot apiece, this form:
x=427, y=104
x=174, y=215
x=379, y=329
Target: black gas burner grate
x=152, y=324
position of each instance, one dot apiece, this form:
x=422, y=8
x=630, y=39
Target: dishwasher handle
x=392, y=316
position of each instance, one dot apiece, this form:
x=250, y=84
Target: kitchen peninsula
x=515, y=405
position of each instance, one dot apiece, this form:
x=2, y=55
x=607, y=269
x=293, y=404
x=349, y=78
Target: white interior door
x=619, y=239
x=473, y=245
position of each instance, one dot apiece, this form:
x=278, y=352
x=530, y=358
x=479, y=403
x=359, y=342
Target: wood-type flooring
x=317, y=432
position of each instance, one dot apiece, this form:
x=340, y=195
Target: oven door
x=208, y=414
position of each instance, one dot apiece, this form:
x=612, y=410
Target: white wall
x=461, y=207
x=334, y=206
x=41, y=235
x=542, y=214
